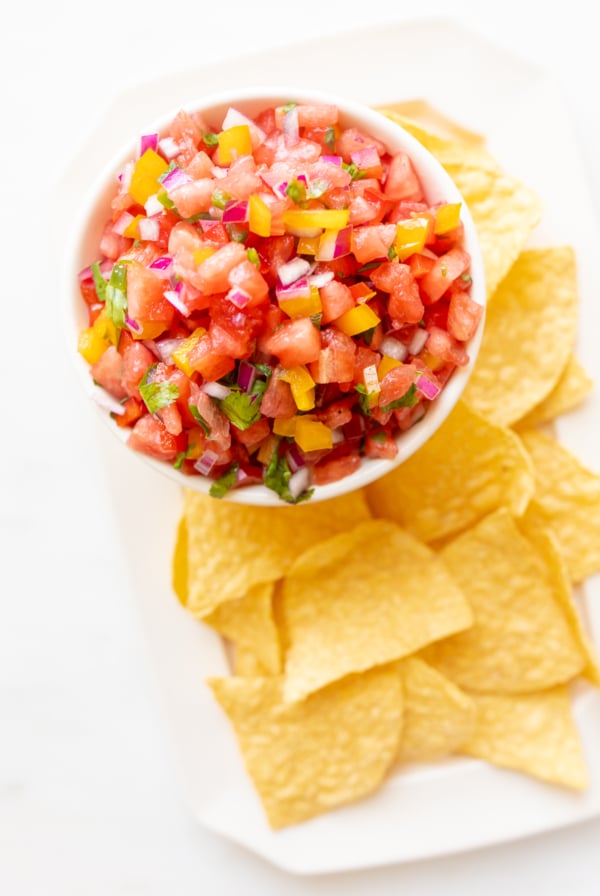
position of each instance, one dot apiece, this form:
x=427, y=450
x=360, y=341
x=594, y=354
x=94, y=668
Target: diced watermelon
x=336, y=299
x=296, y=342
x=463, y=315
x=402, y=181
x=405, y=305
x=335, y=362
x=150, y=436
x=443, y=274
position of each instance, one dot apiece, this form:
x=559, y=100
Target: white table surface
x=89, y=804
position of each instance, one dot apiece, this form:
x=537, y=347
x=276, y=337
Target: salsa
x=274, y=300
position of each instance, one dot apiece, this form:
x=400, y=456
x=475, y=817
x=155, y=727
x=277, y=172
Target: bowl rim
x=396, y=138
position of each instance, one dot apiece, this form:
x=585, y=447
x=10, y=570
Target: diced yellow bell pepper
x=202, y=254
x=357, y=320
x=267, y=447
x=308, y=245
x=259, y=216
x=196, y=444
x=316, y=218
x=447, y=217
x=302, y=386
x=150, y=329
x=233, y=143
x=312, y=435
x=132, y=230
x=105, y=328
x=144, y=180
x=385, y=365
x=91, y=345
x=432, y=362
x=181, y=354
x=410, y=236
x=303, y=307
x=285, y=426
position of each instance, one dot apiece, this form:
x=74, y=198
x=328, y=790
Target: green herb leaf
x=444, y=270
x=363, y=399
x=265, y=370
x=316, y=189
x=210, y=139
x=243, y=408
x=330, y=137
x=392, y=253
x=288, y=107
x=220, y=199
x=167, y=171
x=368, y=335
x=199, y=419
x=99, y=282
x=164, y=199
x=116, y=295
x=408, y=400
x=158, y=395
x=316, y=319
x=466, y=278
x=296, y=190
x=236, y=233
x=253, y=257
x=178, y=462
x=354, y=172
x=225, y=482
x=380, y=437
x=368, y=267
x=277, y=476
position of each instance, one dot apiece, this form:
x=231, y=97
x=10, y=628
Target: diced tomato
x=88, y=292
x=108, y=372
x=336, y=298
x=208, y=361
x=344, y=267
x=312, y=116
x=193, y=197
x=296, y=342
x=278, y=400
x=275, y=251
x=171, y=417
x=136, y=361
x=396, y=383
x=213, y=273
x=200, y=166
x=335, y=361
x=241, y=180
x=444, y=272
x=145, y=299
x=445, y=347
x=371, y=243
x=133, y=410
x=381, y=444
x=405, y=305
x=333, y=470
x=336, y=414
x=253, y=435
x=464, y=315
x=402, y=181
x=150, y=436
x=420, y=264
x=266, y=121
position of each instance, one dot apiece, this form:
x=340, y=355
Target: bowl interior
x=438, y=186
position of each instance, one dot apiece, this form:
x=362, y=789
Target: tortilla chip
x=436, y=123
x=567, y=502
x=504, y=211
x=535, y=306
x=246, y=664
x=307, y=758
x=534, y=733
x=361, y=599
x=180, y=562
x=467, y=469
x=232, y=547
x=571, y=390
x=521, y=640
x=249, y=621
x=438, y=716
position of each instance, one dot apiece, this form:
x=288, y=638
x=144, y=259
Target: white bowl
x=438, y=187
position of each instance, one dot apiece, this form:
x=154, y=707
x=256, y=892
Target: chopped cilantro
x=288, y=107
x=225, y=482
x=243, y=408
x=158, y=395
x=363, y=399
x=116, y=295
x=316, y=189
x=422, y=324
x=466, y=278
x=99, y=282
x=178, y=462
x=253, y=257
x=162, y=177
x=220, y=199
x=164, y=199
x=316, y=319
x=210, y=139
x=237, y=234
x=296, y=190
x=330, y=137
x=380, y=437
x=444, y=270
x=277, y=476
x=408, y=400
x=354, y=172
x=368, y=267
x=199, y=419
x=392, y=253
x=368, y=335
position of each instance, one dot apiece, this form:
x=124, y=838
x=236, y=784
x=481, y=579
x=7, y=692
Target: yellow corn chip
x=180, y=562
x=232, y=547
x=567, y=502
x=307, y=758
x=572, y=388
x=436, y=122
x=533, y=733
x=246, y=664
x=438, y=716
x=249, y=621
x=361, y=599
x=521, y=640
x=521, y=323
x=467, y=469
x=504, y=211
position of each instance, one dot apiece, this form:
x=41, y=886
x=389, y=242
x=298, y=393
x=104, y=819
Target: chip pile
x=432, y=613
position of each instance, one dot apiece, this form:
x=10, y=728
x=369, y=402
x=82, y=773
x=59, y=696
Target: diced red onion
x=172, y=296
x=337, y=436
x=215, y=390
x=321, y=279
x=126, y=175
x=238, y=297
x=393, y=348
x=168, y=148
x=133, y=324
x=236, y=212
x=105, y=400
x=149, y=229
x=165, y=349
x=246, y=376
x=205, y=463
x=234, y=118
x=300, y=289
x=153, y=206
x=175, y=178
x=206, y=225
x=295, y=458
x=293, y=270
x=278, y=186
x=333, y=160
x=219, y=173
x=122, y=223
x=148, y=141
x=302, y=178
x=334, y=244
x=370, y=378
x=417, y=343
x=426, y=387
x=153, y=347
x=299, y=482
x=162, y=266
x=366, y=158
x=291, y=127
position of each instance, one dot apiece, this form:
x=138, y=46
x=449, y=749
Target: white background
x=89, y=804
